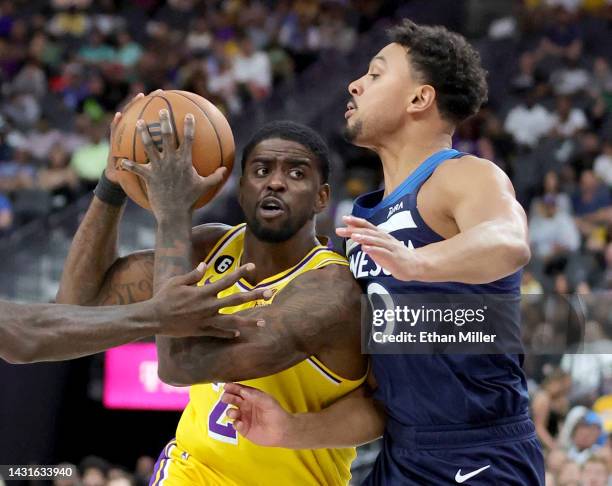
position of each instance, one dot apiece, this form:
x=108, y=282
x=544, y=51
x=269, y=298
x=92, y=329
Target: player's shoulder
x=335, y=279
x=205, y=236
x=469, y=173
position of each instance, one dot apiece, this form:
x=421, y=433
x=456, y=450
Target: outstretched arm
x=353, y=420
x=48, y=332
x=492, y=238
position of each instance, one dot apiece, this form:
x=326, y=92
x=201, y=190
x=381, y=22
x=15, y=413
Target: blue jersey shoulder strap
x=424, y=171
x=367, y=204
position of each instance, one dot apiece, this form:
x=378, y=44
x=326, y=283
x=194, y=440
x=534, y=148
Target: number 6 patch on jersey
x=219, y=428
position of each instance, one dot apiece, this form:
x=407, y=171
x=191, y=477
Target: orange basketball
x=213, y=145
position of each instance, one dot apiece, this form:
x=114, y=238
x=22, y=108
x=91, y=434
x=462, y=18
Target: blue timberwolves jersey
x=433, y=389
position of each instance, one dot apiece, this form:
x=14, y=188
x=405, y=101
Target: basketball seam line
x=209, y=121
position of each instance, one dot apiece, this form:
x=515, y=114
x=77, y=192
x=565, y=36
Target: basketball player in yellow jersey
x=306, y=352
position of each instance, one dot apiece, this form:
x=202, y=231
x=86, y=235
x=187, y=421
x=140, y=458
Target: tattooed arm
x=318, y=313
x=93, y=273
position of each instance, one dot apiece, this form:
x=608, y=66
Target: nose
x=276, y=181
x=355, y=88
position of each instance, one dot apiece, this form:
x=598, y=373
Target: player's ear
x=322, y=198
x=421, y=99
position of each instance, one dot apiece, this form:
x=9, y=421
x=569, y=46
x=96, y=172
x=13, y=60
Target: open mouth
x=350, y=109
x=271, y=207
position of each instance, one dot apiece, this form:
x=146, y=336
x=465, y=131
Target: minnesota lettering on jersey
x=360, y=264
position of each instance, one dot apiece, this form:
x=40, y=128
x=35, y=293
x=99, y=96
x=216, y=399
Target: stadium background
x=65, y=66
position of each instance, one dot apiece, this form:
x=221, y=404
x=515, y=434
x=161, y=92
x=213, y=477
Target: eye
x=261, y=171
x=373, y=76
x=296, y=173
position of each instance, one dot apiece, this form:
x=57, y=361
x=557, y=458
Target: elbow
x=179, y=372
x=512, y=247
x=21, y=354
x=172, y=375
x=518, y=254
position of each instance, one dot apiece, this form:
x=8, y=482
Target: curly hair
x=446, y=61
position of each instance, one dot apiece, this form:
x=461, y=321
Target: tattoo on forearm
x=172, y=255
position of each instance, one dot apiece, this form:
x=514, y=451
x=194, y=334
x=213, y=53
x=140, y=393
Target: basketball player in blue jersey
x=445, y=222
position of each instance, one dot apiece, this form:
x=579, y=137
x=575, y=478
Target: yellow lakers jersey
x=204, y=431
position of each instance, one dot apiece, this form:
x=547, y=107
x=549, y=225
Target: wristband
x=109, y=192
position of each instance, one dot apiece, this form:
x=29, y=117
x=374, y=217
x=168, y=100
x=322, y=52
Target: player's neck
x=272, y=258
x=403, y=153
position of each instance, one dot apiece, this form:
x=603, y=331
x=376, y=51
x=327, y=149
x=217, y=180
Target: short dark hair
x=295, y=132
x=446, y=61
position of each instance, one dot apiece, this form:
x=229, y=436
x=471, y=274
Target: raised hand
x=173, y=185
x=111, y=162
x=257, y=416
x=386, y=251
x=186, y=310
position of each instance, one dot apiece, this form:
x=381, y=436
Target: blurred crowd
x=67, y=65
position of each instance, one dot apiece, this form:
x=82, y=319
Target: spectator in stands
x=572, y=78
x=31, y=79
x=553, y=234
x=595, y=472
x=550, y=405
x=569, y=474
x=71, y=85
x=42, y=138
x=199, y=39
x=223, y=84
x=6, y=215
x=567, y=120
x=555, y=459
x=602, y=77
x=97, y=50
x=74, y=480
x=551, y=189
x=128, y=51
x=144, y=469
x=22, y=110
x=584, y=438
x=70, y=23
x=17, y=174
x=94, y=471
x=528, y=121
x=59, y=178
x=89, y=161
x=592, y=205
x=563, y=37
x=252, y=71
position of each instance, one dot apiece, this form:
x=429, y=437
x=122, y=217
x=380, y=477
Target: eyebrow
x=378, y=58
x=290, y=160
x=299, y=161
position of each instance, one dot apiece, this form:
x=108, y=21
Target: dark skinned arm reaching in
x=51, y=332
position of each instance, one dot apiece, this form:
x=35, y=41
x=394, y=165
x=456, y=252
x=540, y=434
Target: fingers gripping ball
x=213, y=145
